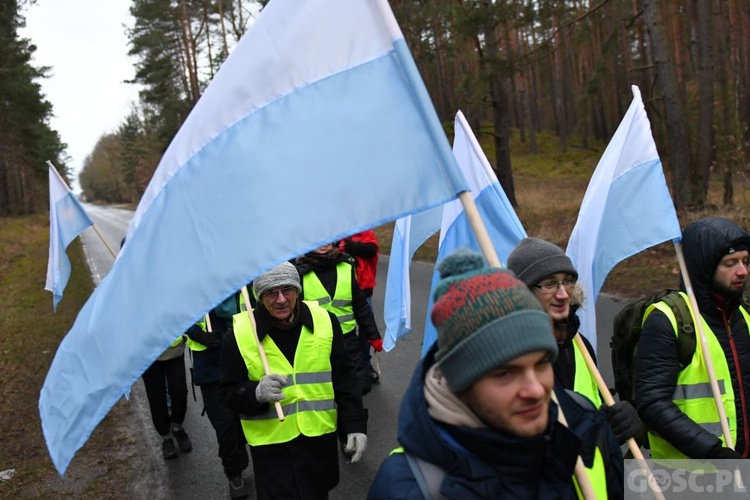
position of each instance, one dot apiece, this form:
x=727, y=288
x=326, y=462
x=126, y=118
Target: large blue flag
x=67, y=219
x=316, y=127
x=503, y=226
x=626, y=209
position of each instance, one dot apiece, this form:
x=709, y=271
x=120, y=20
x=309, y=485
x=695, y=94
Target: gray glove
x=356, y=443
x=269, y=388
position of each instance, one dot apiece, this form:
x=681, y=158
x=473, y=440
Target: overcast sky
x=84, y=43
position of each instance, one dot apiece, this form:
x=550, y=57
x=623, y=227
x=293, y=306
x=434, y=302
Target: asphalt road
x=199, y=474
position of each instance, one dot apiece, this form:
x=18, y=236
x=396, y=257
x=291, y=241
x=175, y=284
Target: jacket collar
x=265, y=325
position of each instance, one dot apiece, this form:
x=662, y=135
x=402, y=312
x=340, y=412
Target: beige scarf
x=443, y=405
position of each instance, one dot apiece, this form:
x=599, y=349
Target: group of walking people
x=503, y=405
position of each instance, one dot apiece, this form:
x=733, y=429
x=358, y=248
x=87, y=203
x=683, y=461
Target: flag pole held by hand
x=610, y=401
x=261, y=351
x=587, y=491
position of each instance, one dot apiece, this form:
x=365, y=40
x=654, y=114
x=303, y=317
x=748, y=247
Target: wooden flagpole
x=609, y=400
x=580, y=470
x=480, y=230
x=704, y=347
x=706, y=355
x=261, y=351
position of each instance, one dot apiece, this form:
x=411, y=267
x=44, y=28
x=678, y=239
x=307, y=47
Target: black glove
x=623, y=419
x=721, y=452
x=208, y=339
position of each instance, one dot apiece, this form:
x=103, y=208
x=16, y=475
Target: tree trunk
x=559, y=92
x=188, y=46
x=500, y=112
x=705, y=77
x=679, y=154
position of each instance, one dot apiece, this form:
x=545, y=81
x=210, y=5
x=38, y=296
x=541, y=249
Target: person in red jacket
x=364, y=248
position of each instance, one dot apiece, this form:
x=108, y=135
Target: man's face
x=731, y=273
x=280, y=302
x=515, y=397
x=554, y=297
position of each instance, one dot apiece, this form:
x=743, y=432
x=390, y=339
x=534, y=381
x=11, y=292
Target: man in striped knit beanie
x=479, y=419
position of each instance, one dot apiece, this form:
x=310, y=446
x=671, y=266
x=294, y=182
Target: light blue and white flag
x=67, y=219
x=626, y=209
x=317, y=126
x=503, y=226
x=409, y=233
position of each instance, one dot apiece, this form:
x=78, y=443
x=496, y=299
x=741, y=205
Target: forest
x=513, y=67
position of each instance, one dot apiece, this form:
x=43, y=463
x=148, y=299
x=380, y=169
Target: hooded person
x=675, y=401
x=552, y=278
x=478, y=419
x=310, y=375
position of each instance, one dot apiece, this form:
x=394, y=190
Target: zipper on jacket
x=740, y=383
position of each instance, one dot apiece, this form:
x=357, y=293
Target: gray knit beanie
x=285, y=274
x=533, y=260
x=484, y=318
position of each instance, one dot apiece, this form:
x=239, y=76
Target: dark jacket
x=206, y=363
x=314, y=469
x=705, y=243
x=488, y=463
x=205, y=369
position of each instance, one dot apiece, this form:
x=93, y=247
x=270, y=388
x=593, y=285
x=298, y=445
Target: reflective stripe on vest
x=584, y=383
x=341, y=302
x=692, y=393
x=308, y=402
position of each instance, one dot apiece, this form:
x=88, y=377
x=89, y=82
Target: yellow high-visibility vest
x=584, y=383
x=341, y=302
x=192, y=344
x=309, y=406
x=692, y=393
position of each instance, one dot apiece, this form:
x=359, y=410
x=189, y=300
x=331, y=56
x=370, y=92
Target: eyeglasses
x=553, y=286
x=287, y=292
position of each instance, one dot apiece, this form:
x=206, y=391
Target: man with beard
x=674, y=401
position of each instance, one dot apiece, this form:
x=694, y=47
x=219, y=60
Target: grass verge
x=32, y=332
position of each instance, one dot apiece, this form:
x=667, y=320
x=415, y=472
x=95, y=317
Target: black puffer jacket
x=705, y=242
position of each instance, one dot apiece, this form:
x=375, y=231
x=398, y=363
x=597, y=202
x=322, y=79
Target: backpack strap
x=685, y=327
x=428, y=475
